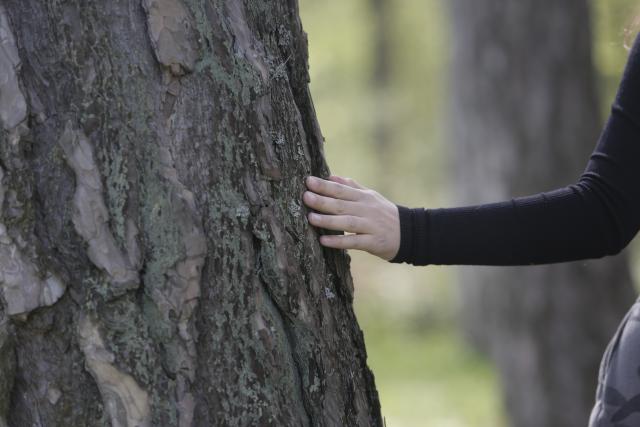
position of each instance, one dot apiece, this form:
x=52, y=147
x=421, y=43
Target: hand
x=373, y=220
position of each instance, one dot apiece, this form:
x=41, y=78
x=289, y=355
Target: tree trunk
x=156, y=265
x=525, y=115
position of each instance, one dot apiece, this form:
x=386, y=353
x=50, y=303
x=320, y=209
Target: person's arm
x=597, y=216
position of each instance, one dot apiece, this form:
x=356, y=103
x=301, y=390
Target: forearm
x=531, y=230
x=595, y=217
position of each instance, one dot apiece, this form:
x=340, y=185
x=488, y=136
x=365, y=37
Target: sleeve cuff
x=414, y=233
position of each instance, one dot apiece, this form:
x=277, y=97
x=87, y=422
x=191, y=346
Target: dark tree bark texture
x=526, y=119
x=156, y=265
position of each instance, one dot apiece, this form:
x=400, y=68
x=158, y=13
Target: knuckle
x=371, y=244
x=352, y=223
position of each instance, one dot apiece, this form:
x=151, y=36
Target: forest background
x=425, y=371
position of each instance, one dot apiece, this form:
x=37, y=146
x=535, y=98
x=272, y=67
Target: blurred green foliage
x=425, y=373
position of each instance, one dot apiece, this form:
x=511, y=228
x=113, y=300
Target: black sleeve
x=597, y=216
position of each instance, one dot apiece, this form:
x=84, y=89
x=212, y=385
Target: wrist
x=404, y=254
x=414, y=236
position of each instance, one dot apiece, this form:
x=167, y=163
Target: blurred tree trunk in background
x=156, y=266
x=525, y=119
x=381, y=81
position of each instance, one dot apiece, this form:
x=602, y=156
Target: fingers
x=332, y=189
x=349, y=241
x=351, y=224
x=347, y=181
x=330, y=205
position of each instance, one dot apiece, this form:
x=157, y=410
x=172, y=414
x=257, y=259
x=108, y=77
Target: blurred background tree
x=383, y=84
x=525, y=118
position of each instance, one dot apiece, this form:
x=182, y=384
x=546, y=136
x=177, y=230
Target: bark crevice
x=289, y=349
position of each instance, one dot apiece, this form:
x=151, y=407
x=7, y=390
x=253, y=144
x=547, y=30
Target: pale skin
x=371, y=221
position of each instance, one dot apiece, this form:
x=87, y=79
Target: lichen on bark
x=175, y=286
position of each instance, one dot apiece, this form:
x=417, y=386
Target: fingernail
x=311, y=180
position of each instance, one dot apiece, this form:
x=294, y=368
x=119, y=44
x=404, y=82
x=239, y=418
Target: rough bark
x=525, y=119
x=156, y=265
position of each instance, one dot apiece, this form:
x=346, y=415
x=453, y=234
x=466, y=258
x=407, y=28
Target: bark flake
x=172, y=34
x=125, y=401
x=91, y=218
x=13, y=107
x=21, y=283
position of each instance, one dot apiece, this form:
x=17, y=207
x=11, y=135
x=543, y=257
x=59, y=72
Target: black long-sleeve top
x=597, y=216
